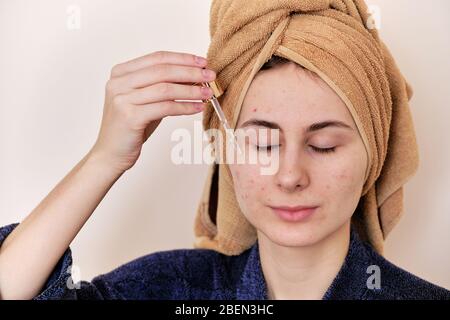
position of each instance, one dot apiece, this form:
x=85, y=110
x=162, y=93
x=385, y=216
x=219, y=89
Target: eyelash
x=324, y=150
x=319, y=150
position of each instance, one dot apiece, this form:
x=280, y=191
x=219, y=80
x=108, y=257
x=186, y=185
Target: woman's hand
x=141, y=92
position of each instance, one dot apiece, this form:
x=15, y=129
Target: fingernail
x=206, y=91
x=209, y=74
x=200, y=60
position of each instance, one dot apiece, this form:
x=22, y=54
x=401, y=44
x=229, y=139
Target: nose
x=292, y=174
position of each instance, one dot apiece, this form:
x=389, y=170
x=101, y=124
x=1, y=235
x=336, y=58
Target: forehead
x=288, y=94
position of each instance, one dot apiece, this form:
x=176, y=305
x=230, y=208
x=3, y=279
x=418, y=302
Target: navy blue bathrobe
x=206, y=274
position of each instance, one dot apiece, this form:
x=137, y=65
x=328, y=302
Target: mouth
x=294, y=214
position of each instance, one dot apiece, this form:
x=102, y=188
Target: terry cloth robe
x=209, y=275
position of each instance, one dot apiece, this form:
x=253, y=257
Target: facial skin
x=295, y=98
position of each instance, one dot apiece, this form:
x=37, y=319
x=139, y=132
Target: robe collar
x=350, y=282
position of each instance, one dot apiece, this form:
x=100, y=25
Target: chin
x=292, y=235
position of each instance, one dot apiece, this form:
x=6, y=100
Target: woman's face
x=294, y=99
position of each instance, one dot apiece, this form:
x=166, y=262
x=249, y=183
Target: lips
x=294, y=214
x=293, y=209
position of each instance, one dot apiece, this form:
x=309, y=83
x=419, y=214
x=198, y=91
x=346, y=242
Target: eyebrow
x=313, y=127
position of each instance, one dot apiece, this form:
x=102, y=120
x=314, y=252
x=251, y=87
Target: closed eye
x=323, y=150
x=316, y=149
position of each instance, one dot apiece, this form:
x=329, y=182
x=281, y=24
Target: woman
x=317, y=254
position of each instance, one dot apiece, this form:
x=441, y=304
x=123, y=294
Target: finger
x=153, y=111
x=158, y=57
x=163, y=73
x=165, y=91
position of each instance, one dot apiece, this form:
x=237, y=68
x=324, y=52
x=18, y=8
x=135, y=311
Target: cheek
x=345, y=174
x=344, y=179
x=248, y=183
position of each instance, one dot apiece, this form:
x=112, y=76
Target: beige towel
x=331, y=38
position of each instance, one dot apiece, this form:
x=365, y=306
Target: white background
x=51, y=98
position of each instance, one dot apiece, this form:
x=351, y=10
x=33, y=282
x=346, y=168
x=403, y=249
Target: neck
x=295, y=273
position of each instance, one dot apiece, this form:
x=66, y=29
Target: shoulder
x=398, y=283
x=172, y=274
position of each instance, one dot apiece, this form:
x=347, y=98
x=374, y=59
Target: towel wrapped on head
x=332, y=39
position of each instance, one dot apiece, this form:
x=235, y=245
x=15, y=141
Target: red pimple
x=254, y=109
